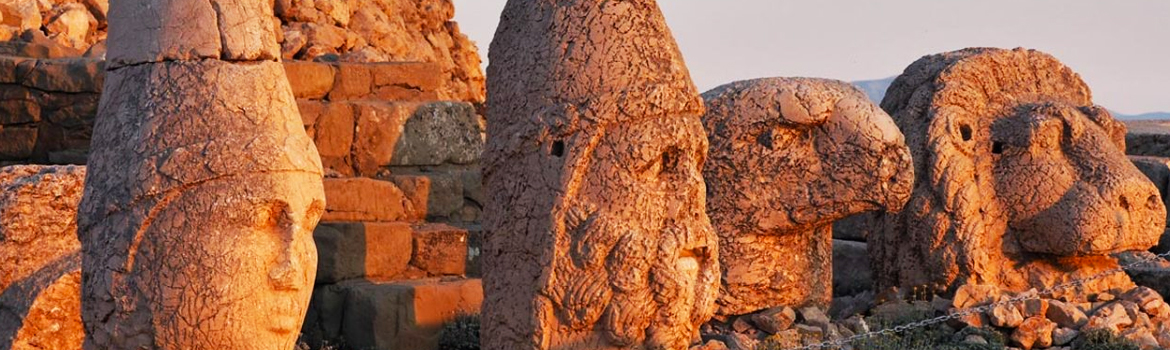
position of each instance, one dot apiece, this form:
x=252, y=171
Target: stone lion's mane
x=947, y=129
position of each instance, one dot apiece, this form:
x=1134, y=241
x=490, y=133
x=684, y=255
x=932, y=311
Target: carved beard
x=636, y=285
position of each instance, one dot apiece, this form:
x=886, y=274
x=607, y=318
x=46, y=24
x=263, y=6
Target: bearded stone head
x=598, y=233
x=789, y=156
x=1022, y=181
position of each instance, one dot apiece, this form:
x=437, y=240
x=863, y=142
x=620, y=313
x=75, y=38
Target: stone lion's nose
x=1139, y=201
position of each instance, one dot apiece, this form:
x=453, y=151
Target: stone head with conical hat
x=203, y=188
x=598, y=232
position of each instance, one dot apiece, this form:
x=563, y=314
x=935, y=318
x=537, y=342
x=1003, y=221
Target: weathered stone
x=1035, y=307
x=1147, y=138
x=438, y=133
x=40, y=264
x=593, y=177
x=379, y=125
x=1112, y=317
x=71, y=25
x=309, y=79
x=739, y=341
x=788, y=156
x=399, y=31
x=326, y=314
x=18, y=144
x=417, y=189
x=1035, y=332
x=1155, y=274
x=1066, y=315
x=1143, y=337
x=972, y=295
x=1000, y=196
x=775, y=319
x=376, y=251
x=182, y=30
x=22, y=14
x=333, y=133
x=851, y=271
x=407, y=314
x=1157, y=169
x=440, y=249
x=202, y=189
x=64, y=75
x=362, y=199
x=446, y=195
x=1063, y=336
x=711, y=345
x=1006, y=316
x=813, y=316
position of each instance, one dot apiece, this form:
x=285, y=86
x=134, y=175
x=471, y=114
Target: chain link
x=838, y=343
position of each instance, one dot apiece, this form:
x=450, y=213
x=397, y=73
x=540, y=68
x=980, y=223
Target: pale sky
x=1120, y=47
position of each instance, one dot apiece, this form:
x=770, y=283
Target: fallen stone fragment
x=775, y=319
x=1035, y=332
x=1066, y=315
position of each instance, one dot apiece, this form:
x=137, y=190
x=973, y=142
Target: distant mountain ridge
x=876, y=90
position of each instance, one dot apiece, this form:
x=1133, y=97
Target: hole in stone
x=558, y=148
x=997, y=147
x=1124, y=203
x=965, y=130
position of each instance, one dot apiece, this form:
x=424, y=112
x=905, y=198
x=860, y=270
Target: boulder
x=1035, y=332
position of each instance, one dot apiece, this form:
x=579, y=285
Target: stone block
x=18, y=143
x=407, y=315
x=440, y=249
x=1148, y=138
x=446, y=195
x=414, y=81
x=417, y=189
x=352, y=81
x=334, y=130
x=324, y=317
x=438, y=133
x=71, y=75
x=8, y=69
x=310, y=80
x=852, y=273
x=362, y=199
x=377, y=251
x=310, y=110
x=19, y=111
x=379, y=126
x=1158, y=170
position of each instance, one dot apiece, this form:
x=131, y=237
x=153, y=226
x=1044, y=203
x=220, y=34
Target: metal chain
x=830, y=344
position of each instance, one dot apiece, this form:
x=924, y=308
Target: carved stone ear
x=1101, y=116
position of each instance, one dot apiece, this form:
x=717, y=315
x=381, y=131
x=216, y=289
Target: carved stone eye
x=557, y=149
x=997, y=147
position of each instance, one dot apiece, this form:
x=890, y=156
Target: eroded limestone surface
x=203, y=188
x=1021, y=180
x=596, y=208
x=40, y=262
x=788, y=157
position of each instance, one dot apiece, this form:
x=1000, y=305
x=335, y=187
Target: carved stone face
x=258, y=239
x=639, y=233
x=1066, y=188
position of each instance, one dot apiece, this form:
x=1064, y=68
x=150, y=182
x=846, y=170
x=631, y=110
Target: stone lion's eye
x=997, y=147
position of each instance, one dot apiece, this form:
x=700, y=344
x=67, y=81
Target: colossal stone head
x=788, y=157
x=1022, y=181
x=203, y=188
x=598, y=234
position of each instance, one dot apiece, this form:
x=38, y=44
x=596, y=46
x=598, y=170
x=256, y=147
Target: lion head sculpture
x=789, y=156
x=1021, y=180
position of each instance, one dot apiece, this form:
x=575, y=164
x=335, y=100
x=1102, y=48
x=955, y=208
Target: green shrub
x=460, y=334
x=1102, y=339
